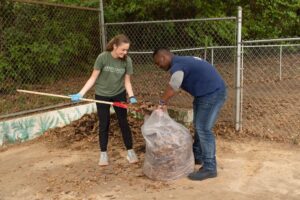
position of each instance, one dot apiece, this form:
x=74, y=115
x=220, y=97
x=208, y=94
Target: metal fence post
x=238, y=71
x=212, y=56
x=102, y=25
x=280, y=64
x=242, y=91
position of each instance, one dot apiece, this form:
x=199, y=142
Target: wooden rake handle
x=118, y=104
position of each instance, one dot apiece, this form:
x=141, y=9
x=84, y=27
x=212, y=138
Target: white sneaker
x=131, y=156
x=103, y=161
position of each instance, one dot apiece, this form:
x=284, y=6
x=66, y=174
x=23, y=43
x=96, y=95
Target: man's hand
x=163, y=108
x=169, y=93
x=162, y=105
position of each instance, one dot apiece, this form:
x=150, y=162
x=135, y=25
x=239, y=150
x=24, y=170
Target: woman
x=111, y=77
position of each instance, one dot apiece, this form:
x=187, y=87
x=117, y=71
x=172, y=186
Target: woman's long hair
x=117, y=40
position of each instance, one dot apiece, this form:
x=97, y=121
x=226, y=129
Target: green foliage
x=211, y=33
x=41, y=42
x=37, y=43
x=4, y=66
x=271, y=19
x=85, y=3
x=261, y=18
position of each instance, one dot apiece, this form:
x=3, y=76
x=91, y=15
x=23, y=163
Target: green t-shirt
x=110, y=82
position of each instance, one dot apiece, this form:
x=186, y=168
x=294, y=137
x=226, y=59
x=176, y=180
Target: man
x=204, y=83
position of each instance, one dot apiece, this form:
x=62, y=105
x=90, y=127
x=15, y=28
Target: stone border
x=26, y=128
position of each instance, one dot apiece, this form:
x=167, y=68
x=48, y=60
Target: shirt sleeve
x=176, y=80
x=99, y=62
x=129, y=68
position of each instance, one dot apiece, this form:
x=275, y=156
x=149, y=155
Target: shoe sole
x=102, y=164
x=132, y=162
x=198, y=179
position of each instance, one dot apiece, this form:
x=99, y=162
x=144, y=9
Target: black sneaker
x=202, y=174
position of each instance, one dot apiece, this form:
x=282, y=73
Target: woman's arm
x=128, y=85
x=90, y=82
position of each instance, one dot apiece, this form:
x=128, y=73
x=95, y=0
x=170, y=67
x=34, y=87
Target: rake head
x=119, y=104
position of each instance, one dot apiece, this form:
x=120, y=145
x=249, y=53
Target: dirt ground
x=62, y=164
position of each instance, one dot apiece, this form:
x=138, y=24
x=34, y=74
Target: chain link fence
x=271, y=89
x=184, y=37
x=52, y=48
x=44, y=47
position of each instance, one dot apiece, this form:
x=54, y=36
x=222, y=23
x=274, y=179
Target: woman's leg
x=122, y=119
x=103, y=111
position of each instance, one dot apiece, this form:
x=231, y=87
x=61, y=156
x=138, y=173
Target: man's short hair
x=160, y=50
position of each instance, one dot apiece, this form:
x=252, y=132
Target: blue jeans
x=206, y=111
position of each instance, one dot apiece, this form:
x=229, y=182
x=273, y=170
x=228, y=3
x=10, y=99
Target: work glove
x=75, y=97
x=132, y=100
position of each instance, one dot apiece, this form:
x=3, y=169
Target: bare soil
x=62, y=164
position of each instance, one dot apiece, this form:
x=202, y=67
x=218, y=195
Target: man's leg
x=196, y=145
x=206, y=114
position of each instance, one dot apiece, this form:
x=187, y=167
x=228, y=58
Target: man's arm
x=173, y=87
x=169, y=92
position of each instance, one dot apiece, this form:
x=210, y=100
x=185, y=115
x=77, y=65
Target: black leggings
x=103, y=111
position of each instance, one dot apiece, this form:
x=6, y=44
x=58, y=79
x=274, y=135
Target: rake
x=118, y=104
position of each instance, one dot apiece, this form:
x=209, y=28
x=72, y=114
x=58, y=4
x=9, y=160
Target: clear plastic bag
x=169, y=153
